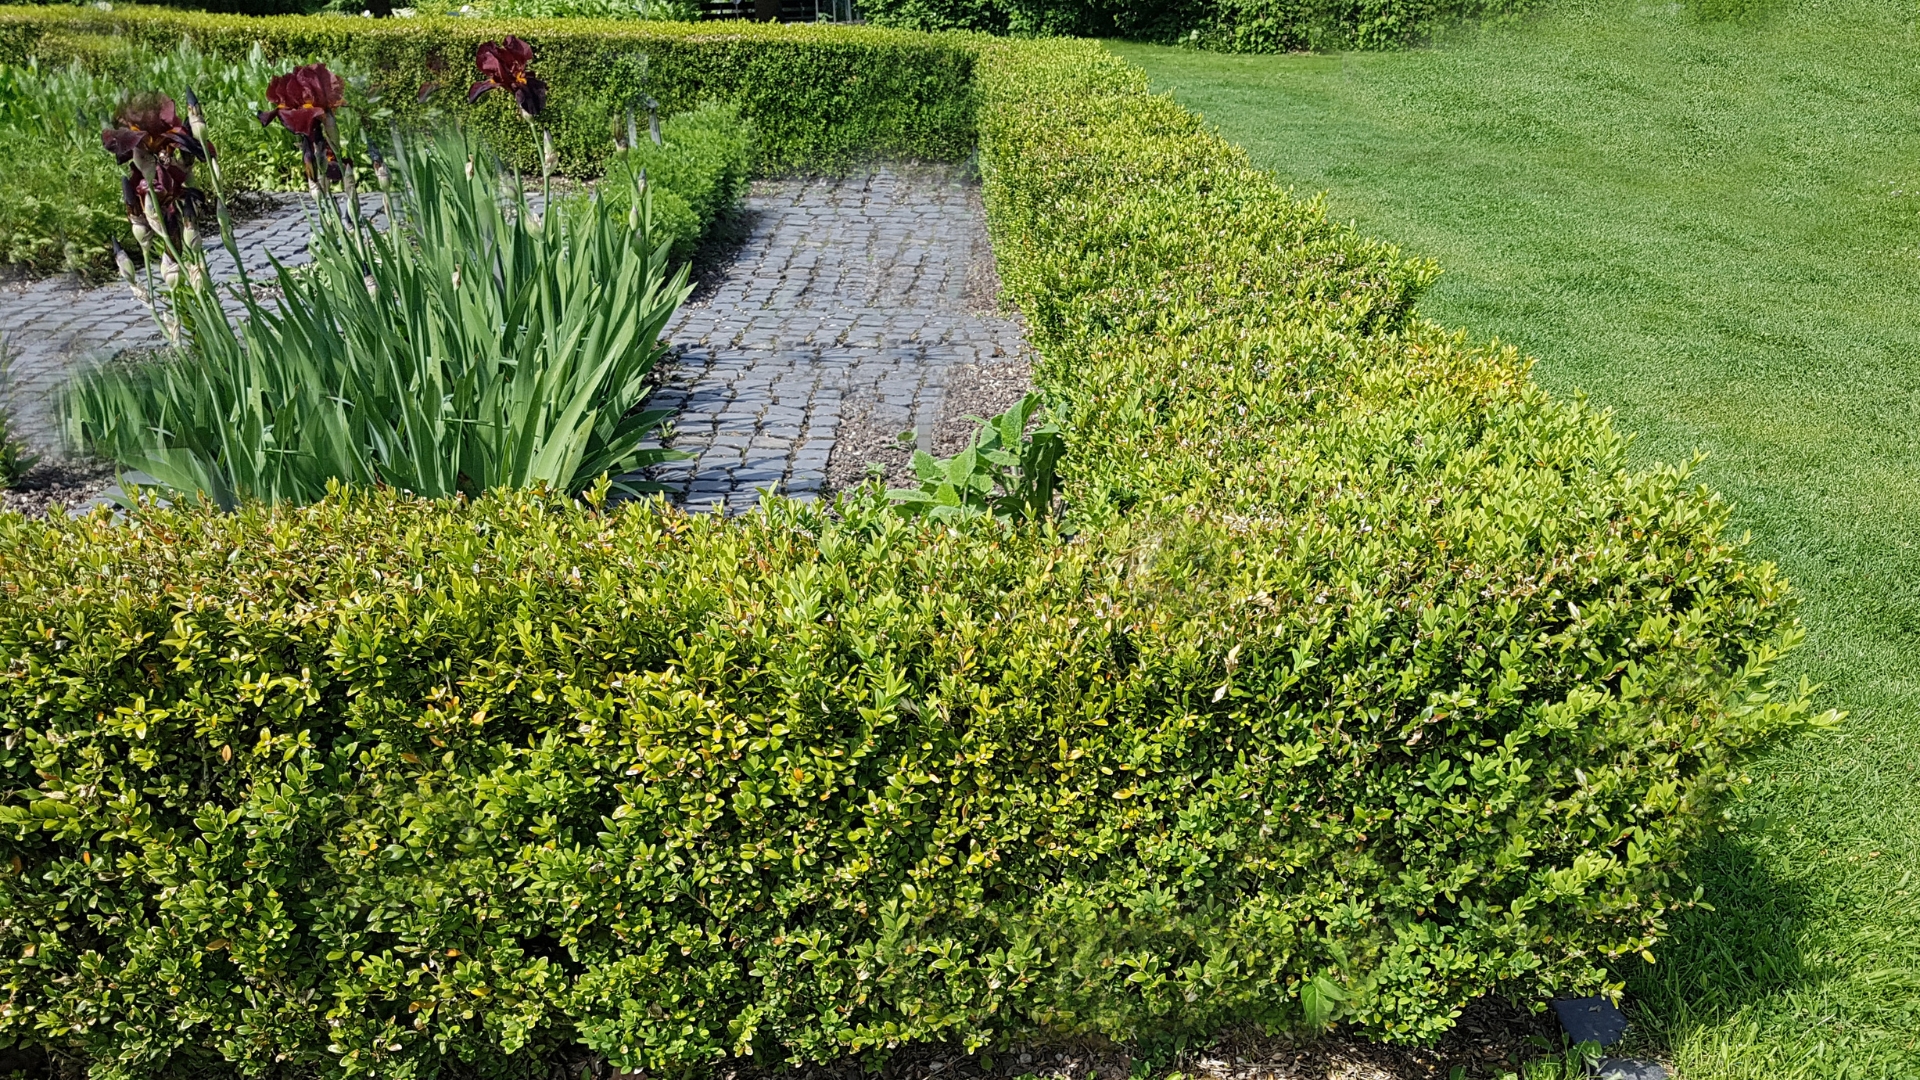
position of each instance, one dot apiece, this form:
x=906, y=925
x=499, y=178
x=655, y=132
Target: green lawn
x=1714, y=229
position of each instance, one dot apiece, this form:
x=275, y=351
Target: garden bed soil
x=865, y=449
x=56, y=485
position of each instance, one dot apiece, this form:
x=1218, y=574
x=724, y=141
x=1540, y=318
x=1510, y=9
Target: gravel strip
x=54, y=485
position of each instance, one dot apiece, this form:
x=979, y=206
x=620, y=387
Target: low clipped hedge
x=1231, y=25
x=696, y=174
x=1492, y=676
x=819, y=96
x=1364, y=678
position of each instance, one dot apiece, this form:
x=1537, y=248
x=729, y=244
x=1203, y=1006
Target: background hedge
x=1370, y=680
x=1236, y=25
x=819, y=96
x=237, y=7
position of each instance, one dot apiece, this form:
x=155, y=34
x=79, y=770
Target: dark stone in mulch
x=1592, y=1019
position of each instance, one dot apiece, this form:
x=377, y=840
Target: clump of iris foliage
x=15, y=459
x=63, y=210
x=386, y=362
x=468, y=343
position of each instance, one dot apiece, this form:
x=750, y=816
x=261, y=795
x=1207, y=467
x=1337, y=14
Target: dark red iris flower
x=153, y=124
x=169, y=187
x=304, y=98
x=504, y=63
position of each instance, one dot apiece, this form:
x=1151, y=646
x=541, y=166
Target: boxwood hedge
x=697, y=173
x=1234, y=25
x=1362, y=678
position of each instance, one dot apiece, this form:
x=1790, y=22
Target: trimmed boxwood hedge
x=696, y=174
x=1233, y=25
x=819, y=96
x=1364, y=679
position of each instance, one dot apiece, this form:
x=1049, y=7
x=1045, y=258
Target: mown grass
x=1711, y=226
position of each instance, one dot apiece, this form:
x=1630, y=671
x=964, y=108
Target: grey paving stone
x=846, y=291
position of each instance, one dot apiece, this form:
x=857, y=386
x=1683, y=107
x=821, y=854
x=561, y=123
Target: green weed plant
x=1006, y=471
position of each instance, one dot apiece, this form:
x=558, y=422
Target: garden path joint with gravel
x=855, y=321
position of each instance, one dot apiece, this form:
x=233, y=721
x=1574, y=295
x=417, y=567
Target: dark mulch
x=863, y=449
x=1491, y=1038
x=976, y=392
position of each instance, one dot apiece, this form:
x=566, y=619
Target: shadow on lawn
x=1715, y=962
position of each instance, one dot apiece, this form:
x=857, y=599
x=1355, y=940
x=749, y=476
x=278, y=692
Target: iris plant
x=159, y=153
x=468, y=344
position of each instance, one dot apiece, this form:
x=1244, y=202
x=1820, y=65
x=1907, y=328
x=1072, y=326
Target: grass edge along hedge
x=1370, y=681
x=820, y=97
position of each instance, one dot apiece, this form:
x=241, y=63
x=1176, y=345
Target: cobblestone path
x=850, y=299
x=53, y=326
